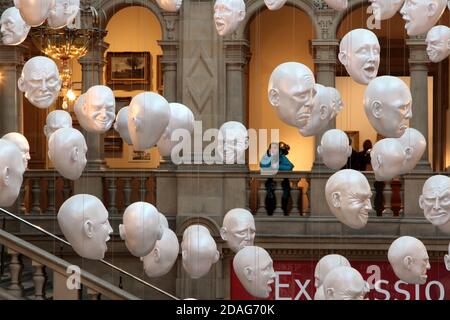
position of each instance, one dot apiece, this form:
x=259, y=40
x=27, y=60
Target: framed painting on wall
x=129, y=70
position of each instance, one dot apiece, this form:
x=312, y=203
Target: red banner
x=295, y=281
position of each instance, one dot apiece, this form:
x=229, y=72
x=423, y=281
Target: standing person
x=364, y=156
x=353, y=161
x=276, y=158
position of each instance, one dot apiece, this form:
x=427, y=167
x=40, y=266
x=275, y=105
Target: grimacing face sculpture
x=199, y=251
x=67, y=150
x=40, y=81
x=338, y=5
x=334, y=149
x=385, y=9
x=63, y=13
x=421, y=15
x=57, y=119
x=148, y=117
x=435, y=201
x=409, y=259
x=227, y=15
x=414, y=145
x=163, y=256
x=348, y=195
x=83, y=220
x=121, y=125
x=238, y=229
x=438, y=43
x=387, y=103
x=22, y=143
x=274, y=4
x=326, y=105
x=141, y=228
x=388, y=159
x=291, y=92
x=323, y=267
x=99, y=109
x=13, y=28
x=181, y=117
x=232, y=142
x=254, y=268
x=11, y=172
x=34, y=12
x=170, y=5
x=345, y=283
x=359, y=52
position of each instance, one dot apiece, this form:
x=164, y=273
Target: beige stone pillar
x=418, y=67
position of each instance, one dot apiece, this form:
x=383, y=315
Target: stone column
x=325, y=59
x=169, y=62
x=11, y=99
x=237, y=53
x=92, y=74
x=418, y=60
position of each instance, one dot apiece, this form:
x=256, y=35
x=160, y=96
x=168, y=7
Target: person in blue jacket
x=276, y=159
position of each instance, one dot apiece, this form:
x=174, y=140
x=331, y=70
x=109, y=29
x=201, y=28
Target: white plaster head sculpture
x=181, y=117
x=438, y=43
x=163, y=256
x=254, y=268
x=435, y=201
x=232, y=142
x=447, y=256
x=409, y=259
x=345, y=283
x=387, y=103
x=34, y=12
x=170, y=5
x=121, y=125
x=79, y=112
x=227, y=15
x=57, y=119
x=99, y=109
x=13, y=28
x=40, y=81
x=274, y=4
x=339, y=5
x=388, y=159
x=291, y=92
x=83, y=220
x=163, y=220
x=141, y=228
x=323, y=267
x=385, y=9
x=148, y=117
x=11, y=172
x=348, y=195
x=63, y=13
x=414, y=145
x=359, y=52
x=238, y=229
x=199, y=251
x=335, y=149
x=67, y=150
x=327, y=104
x=22, y=143
x=421, y=15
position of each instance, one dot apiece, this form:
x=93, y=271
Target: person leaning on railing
x=276, y=159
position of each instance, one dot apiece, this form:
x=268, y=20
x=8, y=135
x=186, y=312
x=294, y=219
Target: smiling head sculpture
x=409, y=259
x=421, y=15
x=438, y=43
x=40, y=81
x=348, y=195
x=387, y=103
x=13, y=28
x=359, y=52
x=291, y=92
x=99, y=109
